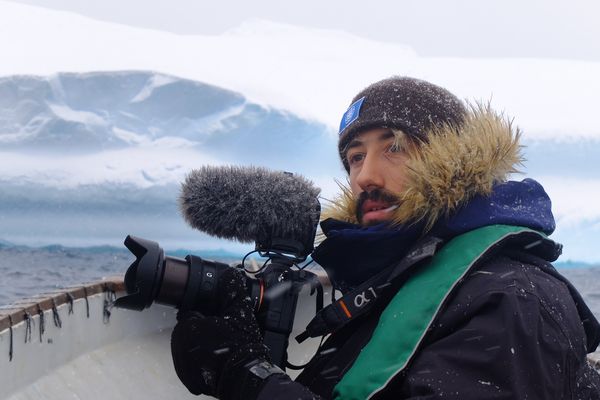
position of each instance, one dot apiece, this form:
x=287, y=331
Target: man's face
x=377, y=174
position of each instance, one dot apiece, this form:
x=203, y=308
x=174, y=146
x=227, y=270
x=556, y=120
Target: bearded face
x=377, y=171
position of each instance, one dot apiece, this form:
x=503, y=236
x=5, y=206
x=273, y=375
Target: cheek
x=395, y=174
x=353, y=185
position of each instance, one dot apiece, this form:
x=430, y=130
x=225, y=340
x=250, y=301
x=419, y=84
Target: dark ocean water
x=27, y=272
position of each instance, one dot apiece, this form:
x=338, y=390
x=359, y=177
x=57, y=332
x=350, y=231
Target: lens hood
x=143, y=277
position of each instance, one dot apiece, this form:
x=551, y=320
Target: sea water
x=26, y=272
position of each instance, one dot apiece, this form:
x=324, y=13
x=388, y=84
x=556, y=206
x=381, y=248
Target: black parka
x=514, y=329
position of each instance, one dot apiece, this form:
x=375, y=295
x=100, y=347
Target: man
x=445, y=267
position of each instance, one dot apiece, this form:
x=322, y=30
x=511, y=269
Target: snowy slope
x=142, y=128
x=312, y=72
x=101, y=111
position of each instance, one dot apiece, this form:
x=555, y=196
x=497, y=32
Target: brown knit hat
x=411, y=105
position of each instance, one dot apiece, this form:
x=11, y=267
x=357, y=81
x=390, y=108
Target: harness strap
x=361, y=300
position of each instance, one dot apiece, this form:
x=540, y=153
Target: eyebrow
x=382, y=137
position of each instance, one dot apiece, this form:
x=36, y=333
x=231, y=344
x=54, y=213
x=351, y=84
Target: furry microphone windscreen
x=250, y=204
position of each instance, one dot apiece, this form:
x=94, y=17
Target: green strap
x=404, y=322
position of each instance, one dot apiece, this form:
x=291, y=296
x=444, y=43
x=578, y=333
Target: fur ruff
x=453, y=166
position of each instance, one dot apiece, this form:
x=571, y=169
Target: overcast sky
x=461, y=28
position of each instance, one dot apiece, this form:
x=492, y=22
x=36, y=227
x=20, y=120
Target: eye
x=355, y=158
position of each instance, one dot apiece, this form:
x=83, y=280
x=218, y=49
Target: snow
x=82, y=117
x=155, y=81
x=215, y=122
x=16, y=137
x=311, y=72
x=95, y=111
x=129, y=136
x=154, y=164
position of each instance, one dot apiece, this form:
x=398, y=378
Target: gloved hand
x=210, y=351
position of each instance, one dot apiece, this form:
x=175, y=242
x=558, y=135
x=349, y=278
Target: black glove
x=211, y=353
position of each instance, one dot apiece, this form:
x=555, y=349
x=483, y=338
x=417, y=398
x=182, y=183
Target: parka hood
x=452, y=167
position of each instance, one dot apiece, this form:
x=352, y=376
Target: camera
x=191, y=283
x=278, y=211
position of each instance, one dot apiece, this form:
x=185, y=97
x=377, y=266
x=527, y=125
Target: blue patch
x=351, y=114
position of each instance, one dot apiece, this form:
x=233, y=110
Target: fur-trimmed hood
x=447, y=171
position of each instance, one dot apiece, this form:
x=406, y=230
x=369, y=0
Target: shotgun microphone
x=252, y=204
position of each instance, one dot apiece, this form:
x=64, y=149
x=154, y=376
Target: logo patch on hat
x=351, y=114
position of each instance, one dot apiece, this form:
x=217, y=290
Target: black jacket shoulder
x=511, y=330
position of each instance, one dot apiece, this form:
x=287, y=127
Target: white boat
x=72, y=345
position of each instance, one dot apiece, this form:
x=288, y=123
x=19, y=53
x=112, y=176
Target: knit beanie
x=410, y=105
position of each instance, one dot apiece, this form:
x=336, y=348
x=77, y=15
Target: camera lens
x=174, y=281
x=188, y=284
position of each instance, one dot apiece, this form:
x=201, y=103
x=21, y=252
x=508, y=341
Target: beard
x=374, y=195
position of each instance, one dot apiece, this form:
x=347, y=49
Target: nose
x=370, y=175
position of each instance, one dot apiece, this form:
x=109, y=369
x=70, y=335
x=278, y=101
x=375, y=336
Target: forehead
x=371, y=136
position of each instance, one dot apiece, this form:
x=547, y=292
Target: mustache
x=374, y=195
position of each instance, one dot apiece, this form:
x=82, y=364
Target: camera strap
x=361, y=300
